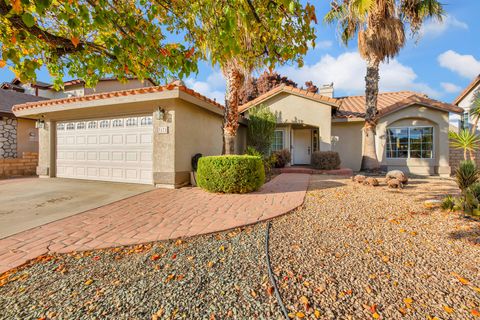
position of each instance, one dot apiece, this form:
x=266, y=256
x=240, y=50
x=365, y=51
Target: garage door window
x=80, y=125
x=60, y=126
x=117, y=123
x=70, y=126
x=104, y=124
x=92, y=125
x=146, y=121
x=410, y=142
x=131, y=122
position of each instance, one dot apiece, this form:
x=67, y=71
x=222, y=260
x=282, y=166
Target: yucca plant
x=466, y=174
x=466, y=140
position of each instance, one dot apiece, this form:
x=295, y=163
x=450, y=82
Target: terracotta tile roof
x=288, y=89
x=113, y=94
x=9, y=98
x=467, y=90
x=354, y=106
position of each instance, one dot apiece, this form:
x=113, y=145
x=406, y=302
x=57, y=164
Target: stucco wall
x=241, y=139
x=27, y=136
x=417, y=116
x=349, y=145
x=298, y=110
x=197, y=131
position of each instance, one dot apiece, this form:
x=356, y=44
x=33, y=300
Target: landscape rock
x=371, y=181
x=359, y=178
x=394, y=183
x=397, y=174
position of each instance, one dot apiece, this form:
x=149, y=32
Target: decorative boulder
x=397, y=174
x=394, y=183
x=371, y=181
x=359, y=178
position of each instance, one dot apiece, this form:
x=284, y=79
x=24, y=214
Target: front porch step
x=308, y=170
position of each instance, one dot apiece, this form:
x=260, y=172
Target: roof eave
x=93, y=103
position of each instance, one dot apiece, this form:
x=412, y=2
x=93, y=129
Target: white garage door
x=118, y=149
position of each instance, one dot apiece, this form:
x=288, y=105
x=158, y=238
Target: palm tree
x=466, y=140
x=380, y=25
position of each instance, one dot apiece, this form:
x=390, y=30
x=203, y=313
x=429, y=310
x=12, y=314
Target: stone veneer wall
x=24, y=166
x=8, y=138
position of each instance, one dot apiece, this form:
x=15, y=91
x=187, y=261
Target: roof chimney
x=326, y=90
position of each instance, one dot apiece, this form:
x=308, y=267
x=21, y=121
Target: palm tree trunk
x=473, y=129
x=369, y=156
x=234, y=79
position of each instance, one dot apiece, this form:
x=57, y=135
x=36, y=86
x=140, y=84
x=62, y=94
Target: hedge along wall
x=24, y=166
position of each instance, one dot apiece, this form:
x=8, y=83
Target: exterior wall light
x=40, y=124
x=160, y=113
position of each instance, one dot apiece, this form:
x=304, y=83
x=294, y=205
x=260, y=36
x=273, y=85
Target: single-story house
x=412, y=131
x=144, y=135
x=17, y=134
x=149, y=135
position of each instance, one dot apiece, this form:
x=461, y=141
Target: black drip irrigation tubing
x=272, y=276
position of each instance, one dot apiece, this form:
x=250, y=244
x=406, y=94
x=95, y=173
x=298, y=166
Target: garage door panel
x=106, y=149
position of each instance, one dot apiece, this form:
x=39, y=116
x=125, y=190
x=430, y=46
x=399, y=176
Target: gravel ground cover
x=208, y=277
x=359, y=252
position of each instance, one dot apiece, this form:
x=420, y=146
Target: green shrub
x=325, y=160
x=282, y=158
x=466, y=174
x=474, y=189
x=448, y=203
x=231, y=173
x=268, y=161
x=261, y=128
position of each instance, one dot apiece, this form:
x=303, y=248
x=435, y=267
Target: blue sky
x=441, y=63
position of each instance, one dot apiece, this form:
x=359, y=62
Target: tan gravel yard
x=359, y=252
x=350, y=252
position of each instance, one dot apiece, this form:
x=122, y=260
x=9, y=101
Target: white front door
x=302, y=145
x=118, y=149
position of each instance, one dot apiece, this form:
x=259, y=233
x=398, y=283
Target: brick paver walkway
x=156, y=215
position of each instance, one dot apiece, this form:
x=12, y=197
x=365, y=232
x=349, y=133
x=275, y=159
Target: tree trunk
x=369, y=156
x=234, y=78
x=465, y=154
x=473, y=129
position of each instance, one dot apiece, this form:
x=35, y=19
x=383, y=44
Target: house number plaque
x=162, y=130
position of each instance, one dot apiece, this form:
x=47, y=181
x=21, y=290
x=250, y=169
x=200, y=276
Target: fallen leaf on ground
x=448, y=309
x=88, y=282
x=317, y=314
x=300, y=315
x=475, y=313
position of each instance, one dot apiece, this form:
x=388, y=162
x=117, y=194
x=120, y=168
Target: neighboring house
x=17, y=135
x=145, y=135
x=465, y=100
x=149, y=135
x=412, y=131
x=74, y=88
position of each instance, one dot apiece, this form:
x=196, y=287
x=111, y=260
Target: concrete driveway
x=30, y=202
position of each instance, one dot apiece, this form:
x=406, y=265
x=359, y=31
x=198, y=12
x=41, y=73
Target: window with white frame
x=80, y=125
x=71, y=126
x=410, y=142
x=278, y=141
x=92, y=125
x=131, y=122
x=60, y=126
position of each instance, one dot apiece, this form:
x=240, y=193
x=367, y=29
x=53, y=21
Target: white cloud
x=213, y=87
x=450, y=87
x=435, y=28
x=465, y=65
x=347, y=72
x=324, y=44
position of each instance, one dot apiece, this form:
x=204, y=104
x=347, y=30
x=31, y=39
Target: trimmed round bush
x=325, y=160
x=230, y=173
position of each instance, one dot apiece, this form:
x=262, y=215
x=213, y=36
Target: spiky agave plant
x=466, y=140
x=466, y=175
